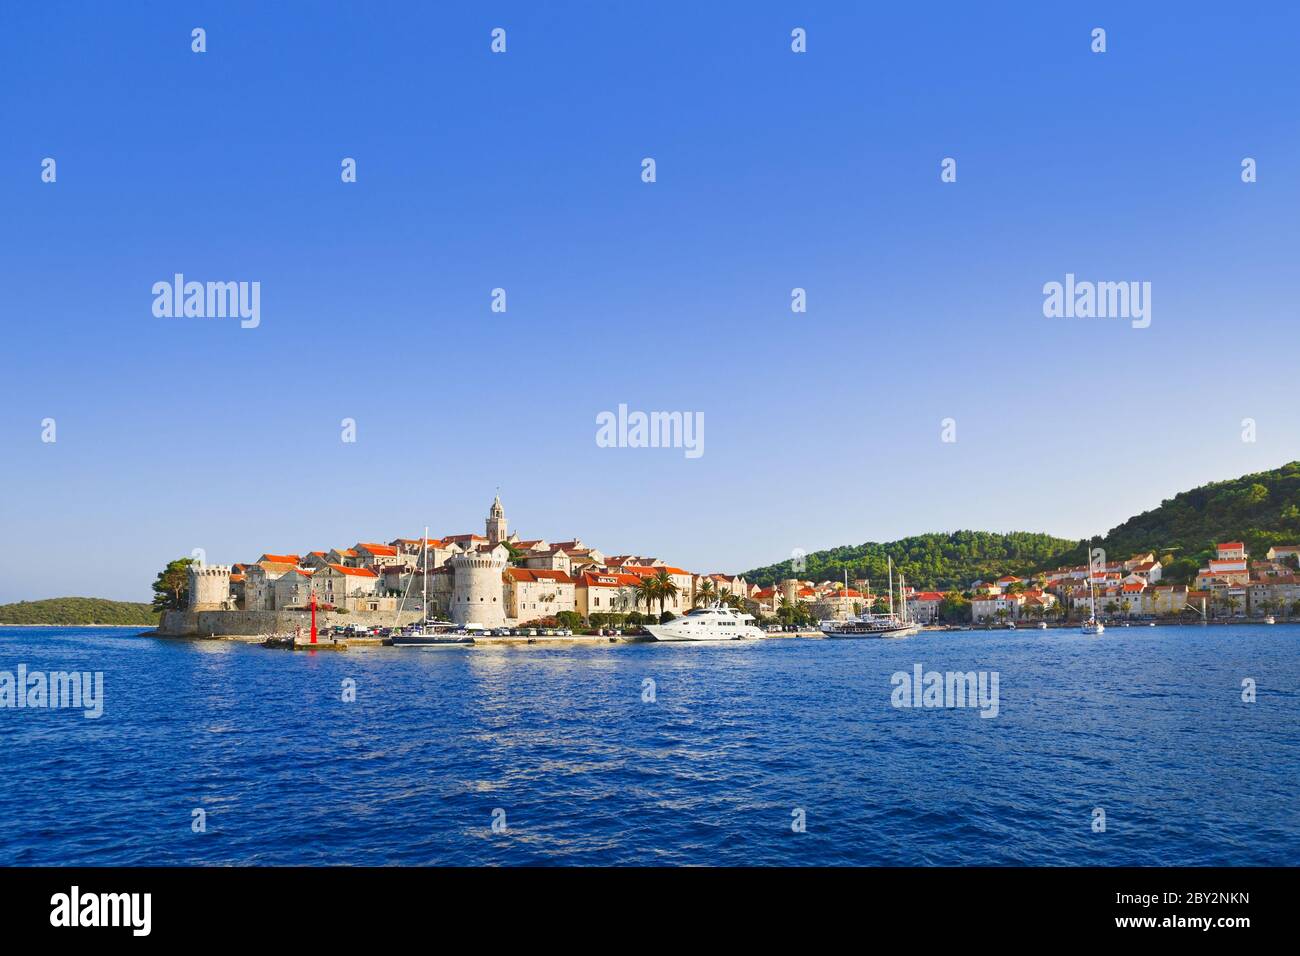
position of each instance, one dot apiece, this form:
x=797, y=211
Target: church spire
x=496, y=521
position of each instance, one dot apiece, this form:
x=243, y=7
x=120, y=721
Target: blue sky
x=522, y=171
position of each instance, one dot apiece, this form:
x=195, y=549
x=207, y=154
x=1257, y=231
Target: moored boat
x=876, y=625
x=717, y=622
x=430, y=634
x=1092, y=626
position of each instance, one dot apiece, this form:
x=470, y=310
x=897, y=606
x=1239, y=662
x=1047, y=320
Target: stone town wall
x=249, y=623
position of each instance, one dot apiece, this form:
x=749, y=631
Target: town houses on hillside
x=1230, y=584
x=497, y=578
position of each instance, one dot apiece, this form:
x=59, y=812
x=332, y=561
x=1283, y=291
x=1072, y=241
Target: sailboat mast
x=891, y=586
x=425, y=558
x=1092, y=585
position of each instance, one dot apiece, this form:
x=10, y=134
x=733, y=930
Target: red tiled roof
x=601, y=580
x=354, y=572
x=275, y=565
x=387, y=550
x=281, y=558
x=538, y=574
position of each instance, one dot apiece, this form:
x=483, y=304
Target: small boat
x=1042, y=625
x=876, y=625
x=430, y=634
x=870, y=625
x=1092, y=626
x=1270, y=619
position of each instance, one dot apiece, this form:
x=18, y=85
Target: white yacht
x=717, y=622
x=876, y=625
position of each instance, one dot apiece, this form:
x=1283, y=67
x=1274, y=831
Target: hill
x=930, y=561
x=78, y=610
x=1261, y=510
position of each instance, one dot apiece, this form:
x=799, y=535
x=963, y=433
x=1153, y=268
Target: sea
x=1175, y=745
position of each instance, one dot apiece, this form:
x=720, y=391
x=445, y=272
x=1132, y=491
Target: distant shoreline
x=136, y=626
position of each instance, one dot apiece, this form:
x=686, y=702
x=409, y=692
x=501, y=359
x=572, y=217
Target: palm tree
x=665, y=588
x=706, y=593
x=646, y=590
x=785, y=611
x=626, y=598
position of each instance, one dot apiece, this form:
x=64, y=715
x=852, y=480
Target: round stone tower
x=209, y=587
x=477, y=594
x=790, y=590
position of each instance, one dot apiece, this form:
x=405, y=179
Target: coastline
x=9, y=624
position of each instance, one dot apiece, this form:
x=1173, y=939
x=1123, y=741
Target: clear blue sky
x=775, y=170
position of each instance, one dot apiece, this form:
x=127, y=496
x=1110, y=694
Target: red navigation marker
x=313, y=617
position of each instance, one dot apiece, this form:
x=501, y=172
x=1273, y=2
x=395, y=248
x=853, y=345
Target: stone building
x=478, y=591
x=533, y=593
x=210, y=588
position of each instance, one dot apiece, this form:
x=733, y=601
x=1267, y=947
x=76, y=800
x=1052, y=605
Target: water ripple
x=1148, y=726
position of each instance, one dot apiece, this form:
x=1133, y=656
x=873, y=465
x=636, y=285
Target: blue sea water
x=1146, y=723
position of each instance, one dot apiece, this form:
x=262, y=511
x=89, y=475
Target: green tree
x=570, y=619
x=665, y=589
x=171, y=589
x=648, y=591
x=954, y=608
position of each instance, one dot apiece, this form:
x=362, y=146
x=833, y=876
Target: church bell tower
x=496, y=522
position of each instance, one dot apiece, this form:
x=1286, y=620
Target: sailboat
x=1092, y=625
x=428, y=632
x=876, y=625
